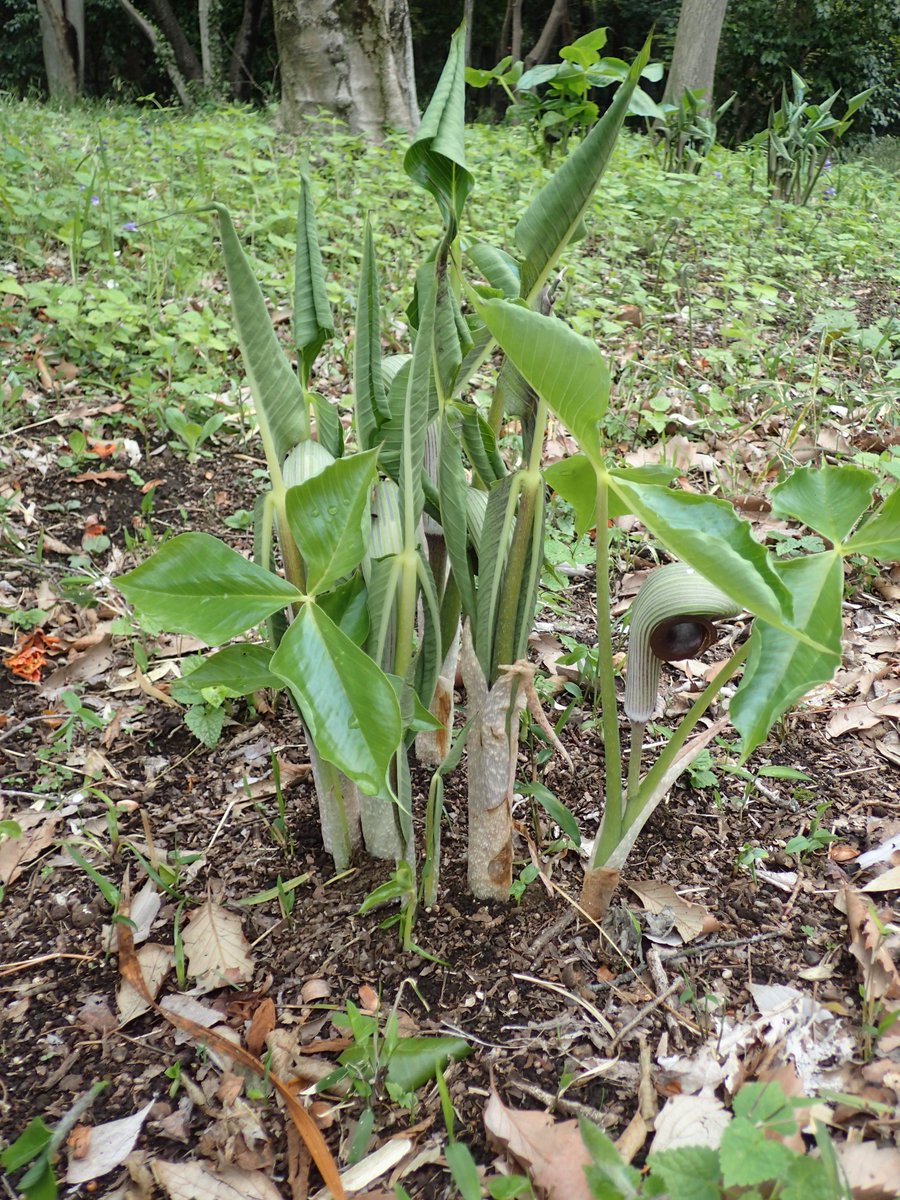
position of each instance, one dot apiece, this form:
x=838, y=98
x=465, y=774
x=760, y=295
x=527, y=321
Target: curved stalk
x=605, y=681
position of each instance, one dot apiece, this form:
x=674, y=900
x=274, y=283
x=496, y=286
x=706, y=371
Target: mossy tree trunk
x=350, y=57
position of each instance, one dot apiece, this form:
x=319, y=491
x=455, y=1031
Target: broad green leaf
x=329, y=430
x=499, y=268
x=304, y=461
x=403, y=446
x=312, y=313
x=205, y=723
x=451, y=335
x=481, y=447
x=196, y=584
x=766, y=1104
x=325, y=515
x=557, y=210
x=499, y=520
x=709, y=536
x=531, y=573
x=348, y=607
x=277, y=395
x=431, y=654
x=348, y=705
x=369, y=396
x=563, y=367
x=608, y=1165
x=880, y=536
x=437, y=159
x=829, y=500
x=39, y=1181
x=806, y=1177
x=554, y=808
x=242, y=668
x=383, y=579
x=688, y=1172
x=575, y=479
x=749, y=1157
x=28, y=1145
x=780, y=668
x=452, y=488
x=464, y=1170
x=415, y=1059
x=414, y=714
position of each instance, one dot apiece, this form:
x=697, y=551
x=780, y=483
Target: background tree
x=351, y=57
x=62, y=37
x=696, y=48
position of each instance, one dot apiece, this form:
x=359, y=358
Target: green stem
x=513, y=580
x=606, y=679
x=683, y=732
x=634, y=759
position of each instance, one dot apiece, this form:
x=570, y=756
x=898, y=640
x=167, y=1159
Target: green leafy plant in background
x=799, y=137
x=563, y=106
x=688, y=130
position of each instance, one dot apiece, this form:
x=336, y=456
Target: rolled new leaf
x=672, y=618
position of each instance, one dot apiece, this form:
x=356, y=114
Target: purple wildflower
x=826, y=165
x=828, y=193
x=717, y=174
x=95, y=200
x=129, y=227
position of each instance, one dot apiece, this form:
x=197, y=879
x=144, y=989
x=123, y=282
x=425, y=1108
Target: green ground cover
x=740, y=300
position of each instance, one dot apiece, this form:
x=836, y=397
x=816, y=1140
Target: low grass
x=711, y=299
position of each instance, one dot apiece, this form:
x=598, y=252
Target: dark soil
x=521, y=998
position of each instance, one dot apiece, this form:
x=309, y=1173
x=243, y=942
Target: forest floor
x=726, y=959
x=580, y=1004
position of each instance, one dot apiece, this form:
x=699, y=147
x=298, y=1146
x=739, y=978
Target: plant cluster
x=563, y=106
x=688, y=130
x=799, y=138
x=418, y=537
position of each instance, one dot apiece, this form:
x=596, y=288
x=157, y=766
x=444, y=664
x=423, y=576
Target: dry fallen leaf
x=197, y=1181
x=93, y=662
x=863, y=716
x=38, y=832
x=108, y=1146
x=552, y=1152
x=261, y=1025
x=156, y=963
x=889, y=881
x=690, y=1121
x=880, y=975
x=216, y=949
x=873, y=1172
x=690, y=919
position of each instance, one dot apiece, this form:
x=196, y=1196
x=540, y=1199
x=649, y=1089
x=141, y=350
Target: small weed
x=380, y=1065
x=749, y=857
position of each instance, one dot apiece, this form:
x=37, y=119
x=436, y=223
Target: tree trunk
x=208, y=15
x=696, y=48
x=351, y=57
x=188, y=63
x=239, y=74
x=469, y=18
x=63, y=45
x=511, y=32
x=542, y=47
x=162, y=49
